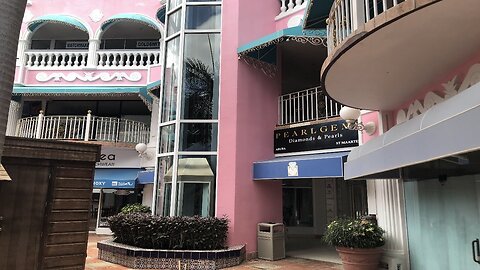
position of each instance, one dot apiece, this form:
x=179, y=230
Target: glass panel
x=173, y=3
x=167, y=139
x=174, y=20
x=195, y=199
x=170, y=88
x=164, y=175
x=92, y=224
x=113, y=200
x=201, y=65
x=198, y=137
x=196, y=185
x=298, y=207
x=203, y=17
x=443, y=219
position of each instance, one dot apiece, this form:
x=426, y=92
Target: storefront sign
x=321, y=136
x=112, y=157
x=76, y=45
x=148, y=44
x=116, y=184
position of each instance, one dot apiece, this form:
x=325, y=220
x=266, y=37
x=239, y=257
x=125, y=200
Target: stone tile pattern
x=137, y=258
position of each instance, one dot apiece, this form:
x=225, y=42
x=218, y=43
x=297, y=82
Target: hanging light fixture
x=351, y=115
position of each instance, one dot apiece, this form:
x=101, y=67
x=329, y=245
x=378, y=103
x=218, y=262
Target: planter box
x=138, y=258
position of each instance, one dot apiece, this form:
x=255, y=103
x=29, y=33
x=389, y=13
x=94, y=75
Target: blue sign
x=116, y=184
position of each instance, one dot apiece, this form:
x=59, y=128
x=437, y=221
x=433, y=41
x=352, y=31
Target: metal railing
x=347, y=15
x=306, y=105
x=128, y=58
x=290, y=6
x=87, y=128
x=56, y=58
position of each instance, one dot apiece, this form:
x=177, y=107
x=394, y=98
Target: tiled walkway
x=93, y=263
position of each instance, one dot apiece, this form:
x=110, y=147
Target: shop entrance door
x=443, y=218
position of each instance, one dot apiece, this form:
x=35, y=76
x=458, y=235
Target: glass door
x=443, y=221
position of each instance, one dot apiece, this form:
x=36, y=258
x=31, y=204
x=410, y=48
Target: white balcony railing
x=288, y=7
x=347, y=15
x=59, y=58
x=86, y=128
x=306, y=105
x=128, y=58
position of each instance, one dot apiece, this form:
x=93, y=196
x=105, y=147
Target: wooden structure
x=44, y=210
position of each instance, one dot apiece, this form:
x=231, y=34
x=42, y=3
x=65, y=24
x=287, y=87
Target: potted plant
x=358, y=242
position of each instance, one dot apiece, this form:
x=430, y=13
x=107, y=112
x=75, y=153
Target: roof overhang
x=132, y=17
x=57, y=19
x=264, y=48
x=316, y=14
x=141, y=91
x=447, y=133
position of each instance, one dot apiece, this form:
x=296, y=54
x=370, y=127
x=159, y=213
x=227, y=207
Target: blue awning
x=115, y=178
x=316, y=14
x=59, y=19
x=265, y=48
x=328, y=165
x=146, y=177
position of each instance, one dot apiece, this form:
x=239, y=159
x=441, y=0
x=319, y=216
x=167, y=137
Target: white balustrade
x=346, y=16
x=80, y=127
x=306, y=105
x=128, y=58
x=288, y=7
x=57, y=58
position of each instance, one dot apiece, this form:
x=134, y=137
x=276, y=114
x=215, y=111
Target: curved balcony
x=85, y=128
x=381, y=52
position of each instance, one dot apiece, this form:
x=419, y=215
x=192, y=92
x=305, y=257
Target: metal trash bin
x=271, y=241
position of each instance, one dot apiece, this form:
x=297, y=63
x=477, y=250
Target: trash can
x=271, y=241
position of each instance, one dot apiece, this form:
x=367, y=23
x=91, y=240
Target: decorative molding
x=450, y=89
x=96, y=15
x=89, y=76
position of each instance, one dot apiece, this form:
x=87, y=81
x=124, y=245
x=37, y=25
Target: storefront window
x=200, y=71
x=164, y=187
x=174, y=22
x=170, y=88
x=298, y=206
x=113, y=200
x=198, y=137
x=167, y=139
x=203, y=17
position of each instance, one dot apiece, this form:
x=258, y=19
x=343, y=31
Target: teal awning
x=141, y=91
x=130, y=17
x=265, y=48
x=316, y=14
x=56, y=18
x=161, y=14
x=153, y=89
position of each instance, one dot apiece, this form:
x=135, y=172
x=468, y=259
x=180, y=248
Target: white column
x=14, y=114
x=22, y=47
x=386, y=200
x=93, y=45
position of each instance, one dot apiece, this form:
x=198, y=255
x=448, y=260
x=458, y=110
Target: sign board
x=116, y=184
x=113, y=157
x=328, y=135
x=76, y=45
x=148, y=44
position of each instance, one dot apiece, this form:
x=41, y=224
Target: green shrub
x=354, y=233
x=185, y=233
x=135, y=208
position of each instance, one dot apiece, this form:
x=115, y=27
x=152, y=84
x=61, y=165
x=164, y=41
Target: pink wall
x=248, y=115
x=436, y=86
x=370, y=117
x=82, y=9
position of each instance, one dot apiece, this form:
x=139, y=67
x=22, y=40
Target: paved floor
x=93, y=263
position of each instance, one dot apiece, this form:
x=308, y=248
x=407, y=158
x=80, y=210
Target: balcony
x=381, y=52
x=120, y=59
x=84, y=128
x=306, y=105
